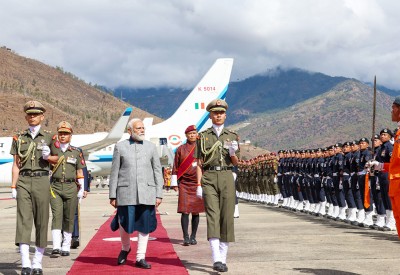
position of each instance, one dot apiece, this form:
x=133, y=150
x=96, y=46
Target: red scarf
x=186, y=163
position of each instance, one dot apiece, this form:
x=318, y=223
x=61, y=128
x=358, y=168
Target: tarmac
x=269, y=240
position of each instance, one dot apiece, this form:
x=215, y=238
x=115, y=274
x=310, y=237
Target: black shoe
x=220, y=267
x=55, y=251
x=75, y=242
x=193, y=240
x=355, y=223
x=122, y=256
x=37, y=271
x=143, y=264
x=186, y=241
x=64, y=253
x=26, y=271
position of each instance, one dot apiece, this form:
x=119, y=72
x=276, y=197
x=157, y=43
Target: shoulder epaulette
x=47, y=131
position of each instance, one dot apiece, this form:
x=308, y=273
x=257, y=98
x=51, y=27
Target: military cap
x=387, y=131
x=34, y=107
x=319, y=150
x=64, y=127
x=217, y=105
x=376, y=136
x=338, y=144
x=190, y=128
x=354, y=142
x=364, y=139
x=325, y=149
x=347, y=143
x=397, y=100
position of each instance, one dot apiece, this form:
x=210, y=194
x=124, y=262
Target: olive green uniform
x=33, y=187
x=217, y=183
x=64, y=189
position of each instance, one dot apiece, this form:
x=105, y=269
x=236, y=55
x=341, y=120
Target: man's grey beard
x=136, y=137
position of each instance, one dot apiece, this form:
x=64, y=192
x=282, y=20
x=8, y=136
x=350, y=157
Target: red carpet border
x=100, y=257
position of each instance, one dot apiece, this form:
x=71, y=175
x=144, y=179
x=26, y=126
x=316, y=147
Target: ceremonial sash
x=186, y=163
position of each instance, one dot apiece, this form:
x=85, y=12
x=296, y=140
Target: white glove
x=174, y=180
x=81, y=182
x=233, y=148
x=377, y=166
x=45, y=152
x=14, y=193
x=199, y=192
x=234, y=176
x=275, y=179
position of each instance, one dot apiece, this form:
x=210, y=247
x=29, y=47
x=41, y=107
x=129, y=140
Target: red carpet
x=100, y=257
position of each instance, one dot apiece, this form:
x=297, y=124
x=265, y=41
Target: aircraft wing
x=113, y=136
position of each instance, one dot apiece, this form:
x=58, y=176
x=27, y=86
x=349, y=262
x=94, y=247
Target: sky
x=142, y=43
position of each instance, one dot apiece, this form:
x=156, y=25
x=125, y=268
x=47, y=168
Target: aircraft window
x=163, y=141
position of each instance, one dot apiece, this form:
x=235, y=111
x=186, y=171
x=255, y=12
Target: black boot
x=185, y=226
x=195, y=225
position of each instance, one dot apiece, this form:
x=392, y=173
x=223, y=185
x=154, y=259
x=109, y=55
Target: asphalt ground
x=269, y=240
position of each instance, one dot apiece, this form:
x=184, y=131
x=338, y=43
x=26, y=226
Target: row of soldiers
x=256, y=179
x=333, y=182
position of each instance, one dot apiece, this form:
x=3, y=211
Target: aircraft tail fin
x=214, y=84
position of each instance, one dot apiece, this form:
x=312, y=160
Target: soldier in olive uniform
x=66, y=180
x=217, y=152
x=31, y=185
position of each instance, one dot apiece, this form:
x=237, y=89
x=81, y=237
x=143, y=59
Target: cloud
x=152, y=43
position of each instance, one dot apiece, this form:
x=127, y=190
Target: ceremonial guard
x=365, y=156
x=354, y=167
x=217, y=151
x=184, y=177
x=383, y=156
x=31, y=185
x=280, y=176
x=346, y=180
x=338, y=181
x=375, y=187
x=319, y=188
x=67, y=184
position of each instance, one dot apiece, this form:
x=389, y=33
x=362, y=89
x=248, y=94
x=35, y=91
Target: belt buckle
x=217, y=168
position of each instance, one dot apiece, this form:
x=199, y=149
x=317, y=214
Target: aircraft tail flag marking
x=200, y=105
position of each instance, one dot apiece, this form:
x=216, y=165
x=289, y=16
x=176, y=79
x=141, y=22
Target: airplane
x=167, y=135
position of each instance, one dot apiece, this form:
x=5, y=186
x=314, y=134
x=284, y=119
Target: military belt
x=53, y=180
x=27, y=173
x=218, y=168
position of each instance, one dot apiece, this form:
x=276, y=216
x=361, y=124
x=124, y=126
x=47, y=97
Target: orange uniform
x=394, y=176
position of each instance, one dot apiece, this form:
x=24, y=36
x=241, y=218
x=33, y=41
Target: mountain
x=274, y=90
x=65, y=97
x=343, y=113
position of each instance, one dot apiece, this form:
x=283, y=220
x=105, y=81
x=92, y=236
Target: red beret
x=190, y=128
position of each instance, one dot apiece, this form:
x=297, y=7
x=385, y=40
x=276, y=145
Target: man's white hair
x=132, y=122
